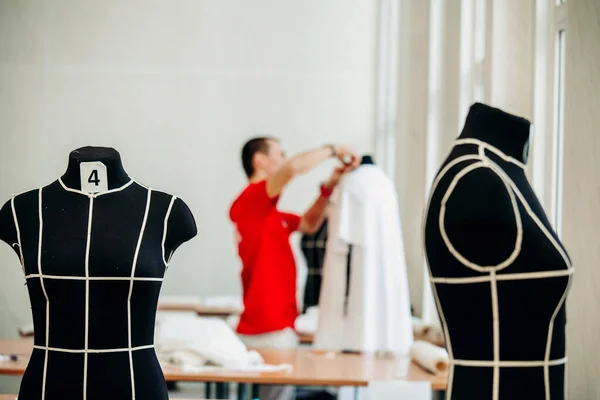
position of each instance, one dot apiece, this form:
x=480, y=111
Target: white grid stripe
x=512, y=189
x=164, y=238
x=95, y=351
x=87, y=294
x=14, y=212
x=39, y=259
x=505, y=277
x=446, y=335
x=491, y=148
x=94, y=195
x=496, y=330
x=549, y=341
x=133, y=267
x=510, y=364
x=93, y=278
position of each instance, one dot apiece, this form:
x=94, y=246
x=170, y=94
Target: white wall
x=177, y=86
x=581, y=196
x=411, y=137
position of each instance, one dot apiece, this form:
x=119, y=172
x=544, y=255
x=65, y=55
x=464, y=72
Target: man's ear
x=259, y=160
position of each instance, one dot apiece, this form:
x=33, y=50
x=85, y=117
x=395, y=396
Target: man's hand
x=337, y=175
x=313, y=218
x=306, y=161
x=346, y=155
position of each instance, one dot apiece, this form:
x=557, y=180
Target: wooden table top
x=200, y=309
x=310, y=367
x=307, y=338
x=14, y=397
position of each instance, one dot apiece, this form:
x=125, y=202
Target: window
x=549, y=133
x=479, y=51
x=559, y=112
x=473, y=49
x=386, y=91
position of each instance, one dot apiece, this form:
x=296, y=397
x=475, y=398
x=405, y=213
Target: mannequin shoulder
x=477, y=193
x=178, y=214
x=10, y=211
x=180, y=225
x=176, y=211
x=23, y=201
x=181, y=212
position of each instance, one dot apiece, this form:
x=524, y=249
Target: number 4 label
x=94, y=178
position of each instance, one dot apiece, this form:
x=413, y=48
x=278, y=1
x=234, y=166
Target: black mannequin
x=499, y=273
x=94, y=264
x=313, y=247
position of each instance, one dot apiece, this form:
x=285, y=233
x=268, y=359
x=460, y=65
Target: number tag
x=94, y=178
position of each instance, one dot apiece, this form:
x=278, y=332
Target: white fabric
x=307, y=323
x=431, y=357
x=225, y=301
x=419, y=327
x=178, y=300
x=431, y=333
x=193, y=343
x=364, y=213
x=429, y=311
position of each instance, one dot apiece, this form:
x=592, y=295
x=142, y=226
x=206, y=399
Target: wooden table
x=201, y=310
x=309, y=368
x=307, y=338
x=201, y=307
x=14, y=397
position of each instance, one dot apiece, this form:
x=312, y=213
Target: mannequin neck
x=506, y=132
x=367, y=160
x=116, y=175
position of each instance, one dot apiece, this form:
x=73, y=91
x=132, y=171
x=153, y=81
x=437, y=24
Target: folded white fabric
x=224, y=301
x=307, y=323
x=233, y=321
x=435, y=334
x=419, y=327
x=431, y=357
x=193, y=342
x=178, y=300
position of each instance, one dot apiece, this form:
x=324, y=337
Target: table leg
x=355, y=392
x=241, y=391
x=221, y=389
x=208, y=387
x=255, y=392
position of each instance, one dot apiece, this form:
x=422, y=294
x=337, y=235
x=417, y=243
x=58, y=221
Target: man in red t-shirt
x=269, y=270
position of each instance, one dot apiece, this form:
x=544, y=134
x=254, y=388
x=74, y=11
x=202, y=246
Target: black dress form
x=94, y=265
x=313, y=247
x=499, y=273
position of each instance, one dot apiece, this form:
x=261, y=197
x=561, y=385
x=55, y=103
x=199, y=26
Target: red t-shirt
x=269, y=269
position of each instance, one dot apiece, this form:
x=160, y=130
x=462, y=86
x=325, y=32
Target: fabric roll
x=430, y=357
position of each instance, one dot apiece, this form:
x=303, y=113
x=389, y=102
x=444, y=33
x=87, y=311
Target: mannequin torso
x=94, y=264
x=500, y=275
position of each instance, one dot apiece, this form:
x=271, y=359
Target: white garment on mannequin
x=375, y=316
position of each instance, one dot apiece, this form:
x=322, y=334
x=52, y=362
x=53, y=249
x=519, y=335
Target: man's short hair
x=253, y=146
